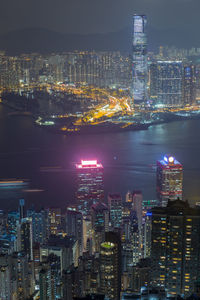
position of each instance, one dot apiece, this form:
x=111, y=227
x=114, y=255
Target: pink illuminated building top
x=89, y=164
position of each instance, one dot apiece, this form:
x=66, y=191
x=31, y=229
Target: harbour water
x=129, y=159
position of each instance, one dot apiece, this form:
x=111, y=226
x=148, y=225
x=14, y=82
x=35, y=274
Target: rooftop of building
x=169, y=161
x=89, y=164
x=107, y=245
x=176, y=207
x=114, y=196
x=99, y=206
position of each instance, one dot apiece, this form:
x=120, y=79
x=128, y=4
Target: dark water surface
x=128, y=158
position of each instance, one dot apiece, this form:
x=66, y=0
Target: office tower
x=175, y=247
x=26, y=237
x=21, y=209
x=197, y=75
x=39, y=225
x=100, y=223
x=129, y=197
x=169, y=83
x=149, y=204
x=74, y=226
x=137, y=207
x=147, y=234
x=66, y=248
x=127, y=244
x=140, y=70
x=141, y=275
x=54, y=221
x=115, y=207
x=90, y=188
x=153, y=76
x=189, y=85
x=88, y=234
x=169, y=179
x=110, y=266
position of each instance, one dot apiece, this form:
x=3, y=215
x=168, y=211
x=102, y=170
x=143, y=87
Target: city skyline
x=99, y=151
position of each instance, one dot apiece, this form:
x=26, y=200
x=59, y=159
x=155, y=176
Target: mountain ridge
x=44, y=41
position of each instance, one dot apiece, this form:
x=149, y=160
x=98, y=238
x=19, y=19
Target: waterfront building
x=189, y=85
x=115, y=207
x=169, y=179
x=153, y=77
x=175, y=247
x=169, y=83
x=140, y=69
x=110, y=266
x=90, y=187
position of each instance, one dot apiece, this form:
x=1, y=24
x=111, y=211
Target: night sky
x=97, y=16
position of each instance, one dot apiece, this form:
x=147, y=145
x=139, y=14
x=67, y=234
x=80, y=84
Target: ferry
x=13, y=183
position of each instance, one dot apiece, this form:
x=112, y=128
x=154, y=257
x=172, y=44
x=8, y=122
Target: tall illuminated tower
x=169, y=180
x=140, y=71
x=90, y=187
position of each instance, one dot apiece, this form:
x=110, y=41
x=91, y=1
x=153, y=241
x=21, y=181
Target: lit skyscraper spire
x=140, y=72
x=169, y=180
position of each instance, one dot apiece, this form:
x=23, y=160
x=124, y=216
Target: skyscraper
x=90, y=188
x=100, y=223
x=189, y=85
x=26, y=237
x=169, y=180
x=115, y=206
x=169, y=83
x=110, y=266
x=175, y=247
x=74, y=226
x=140, y=70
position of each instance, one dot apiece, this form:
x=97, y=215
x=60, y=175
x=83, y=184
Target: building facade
x=90, y=187
x=140, y=70
x=175, y=247
x=169, y=180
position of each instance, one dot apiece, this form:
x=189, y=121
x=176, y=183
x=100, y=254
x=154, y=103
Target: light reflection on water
x=129, y=158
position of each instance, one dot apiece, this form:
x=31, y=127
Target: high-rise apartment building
x=175, y=247
x=140, y=70
x=169, y=83
x=110, y=266
x=90, y=187
x=169, y=180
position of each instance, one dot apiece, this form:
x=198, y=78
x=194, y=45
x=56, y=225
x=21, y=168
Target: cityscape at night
x=99, y=151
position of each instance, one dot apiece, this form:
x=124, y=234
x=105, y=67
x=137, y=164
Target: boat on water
x=13, y=183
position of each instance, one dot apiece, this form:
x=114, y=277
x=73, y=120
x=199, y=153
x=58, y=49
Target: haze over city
x=99, y=150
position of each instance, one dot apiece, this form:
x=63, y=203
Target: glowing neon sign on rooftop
x=89, y=164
